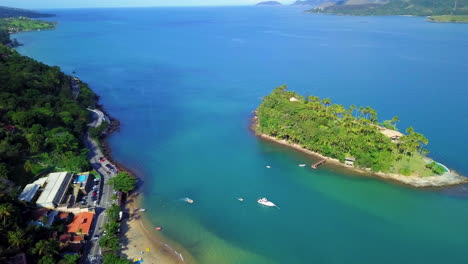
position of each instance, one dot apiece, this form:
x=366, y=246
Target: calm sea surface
x=184, y=81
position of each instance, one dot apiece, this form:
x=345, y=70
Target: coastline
x=136, y=235
x=139, y=237
x=447, y=179
x=161, y=251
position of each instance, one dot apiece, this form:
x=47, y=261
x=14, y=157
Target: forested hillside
x=398, y=7
x=18, y=12
x=41, y=123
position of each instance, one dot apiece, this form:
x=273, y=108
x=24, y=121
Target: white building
x=29, y=192
x=57, y=185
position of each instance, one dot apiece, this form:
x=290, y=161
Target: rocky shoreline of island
x=447, y=179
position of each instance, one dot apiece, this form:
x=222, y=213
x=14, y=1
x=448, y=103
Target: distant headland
x=350, y=137
x=437, y=11
x=269, y=3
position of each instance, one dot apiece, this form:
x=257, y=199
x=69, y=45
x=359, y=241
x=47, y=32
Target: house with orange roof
x=81, y=223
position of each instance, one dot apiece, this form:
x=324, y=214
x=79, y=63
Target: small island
x=350, y=137
x=269, y=3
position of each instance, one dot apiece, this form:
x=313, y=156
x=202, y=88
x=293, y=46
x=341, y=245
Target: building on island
x=392, y=134
x=81, y=224
x=349, y=161
x=56, y=186
x=293, y=99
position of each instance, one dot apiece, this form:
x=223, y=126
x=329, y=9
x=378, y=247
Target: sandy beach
x=446, y=179
x=141, y=240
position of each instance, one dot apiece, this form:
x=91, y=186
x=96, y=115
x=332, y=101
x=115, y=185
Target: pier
x=315, y=166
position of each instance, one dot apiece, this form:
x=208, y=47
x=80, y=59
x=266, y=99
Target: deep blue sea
x=184, y=82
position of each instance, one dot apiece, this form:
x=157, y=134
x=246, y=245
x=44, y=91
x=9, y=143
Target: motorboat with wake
x=188, y=200
x=265, y=202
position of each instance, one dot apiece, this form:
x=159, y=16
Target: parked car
x=110, y=167
x=102, y=159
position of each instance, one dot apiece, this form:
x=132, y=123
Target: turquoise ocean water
x=184, y=81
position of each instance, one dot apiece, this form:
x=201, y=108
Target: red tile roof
x=81, y=223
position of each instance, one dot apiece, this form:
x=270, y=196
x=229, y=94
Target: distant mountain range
x=394, y=7
x=269, y=3
x=304, y=3
x=17, y=12
x=312, y=3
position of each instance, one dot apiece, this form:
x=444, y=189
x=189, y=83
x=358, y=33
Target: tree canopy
x=41, y=122
x=336, y=132
x=124, y=182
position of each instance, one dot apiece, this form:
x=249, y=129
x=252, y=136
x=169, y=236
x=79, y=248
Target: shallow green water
x=184, y=81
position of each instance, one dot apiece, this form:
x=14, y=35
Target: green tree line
x=337, y=132
x=41, y=123
x=399, y=7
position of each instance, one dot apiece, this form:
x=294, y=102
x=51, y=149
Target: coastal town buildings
x=81, y=224
x=30, y=191
x=54, y=191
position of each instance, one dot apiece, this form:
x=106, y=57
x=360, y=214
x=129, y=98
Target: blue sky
x=124, y=3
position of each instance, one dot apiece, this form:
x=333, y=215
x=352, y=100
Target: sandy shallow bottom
x=141, y=240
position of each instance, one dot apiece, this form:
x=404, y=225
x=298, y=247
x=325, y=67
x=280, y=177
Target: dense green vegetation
x=123, y=182
x=17, y=12
x=110, y=240
x=24, y=24
x=18, y=24
x=41, y=125
x=400, y=7
x=449, y=18
x=337, y=132
x=18, y=235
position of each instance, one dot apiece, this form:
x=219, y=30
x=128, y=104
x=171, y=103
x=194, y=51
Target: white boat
x=302, y=165
x=141, y=210
x=268, y=166
x=265, y=202
x=240, y=199
x=188, y=200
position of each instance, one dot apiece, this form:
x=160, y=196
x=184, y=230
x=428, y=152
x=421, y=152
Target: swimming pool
x=81, y=178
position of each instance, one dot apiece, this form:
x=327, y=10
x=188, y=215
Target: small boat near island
x=302, y=165
x=265, y=202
